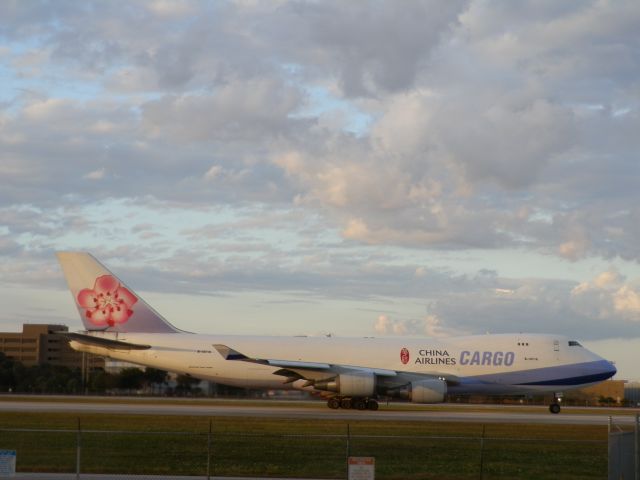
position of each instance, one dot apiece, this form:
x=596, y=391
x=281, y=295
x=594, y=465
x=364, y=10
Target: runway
x=315, y=410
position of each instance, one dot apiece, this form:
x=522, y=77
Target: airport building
x=632, y=393
x=40, y=344
x=609, y=389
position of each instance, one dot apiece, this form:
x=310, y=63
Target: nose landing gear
x=555, y=406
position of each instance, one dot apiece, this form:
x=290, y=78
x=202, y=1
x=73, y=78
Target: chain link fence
x=208, y=454
x=624, y=451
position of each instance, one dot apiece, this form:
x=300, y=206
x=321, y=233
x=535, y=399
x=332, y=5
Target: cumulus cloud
x=430, y=326
x=471, y=121
x=96, y=174
x=385, y=325
x=603, y=307
x=354, y=39
x=246, y=110
x=479, y=126
x=608, y=296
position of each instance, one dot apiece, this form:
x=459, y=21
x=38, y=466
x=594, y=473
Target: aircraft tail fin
x=104, y=302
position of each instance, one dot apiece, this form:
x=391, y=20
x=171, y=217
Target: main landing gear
x=356, y=403
x=555, y=406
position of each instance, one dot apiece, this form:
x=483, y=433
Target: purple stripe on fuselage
x=567, y=375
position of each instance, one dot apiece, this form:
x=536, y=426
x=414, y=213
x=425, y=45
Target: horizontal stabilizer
x=229, y=353
x=103, y=342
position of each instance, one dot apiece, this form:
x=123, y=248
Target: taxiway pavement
x=441, y=413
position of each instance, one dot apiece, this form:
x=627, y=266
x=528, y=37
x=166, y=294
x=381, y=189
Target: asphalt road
x=443, y=413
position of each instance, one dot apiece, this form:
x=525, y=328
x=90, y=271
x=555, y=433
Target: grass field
x=303, y=448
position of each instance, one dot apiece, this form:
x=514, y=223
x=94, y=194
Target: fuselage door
x=556, y=349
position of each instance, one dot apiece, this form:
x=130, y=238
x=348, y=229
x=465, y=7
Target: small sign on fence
x=7, y=463
x=362, y=468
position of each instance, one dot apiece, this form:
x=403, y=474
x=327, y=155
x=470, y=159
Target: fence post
x=78, y=449
x=637, y=448
x=209, y=452
x=348, y=448
x=482, y=453
x=610, y=424
x=610, y=448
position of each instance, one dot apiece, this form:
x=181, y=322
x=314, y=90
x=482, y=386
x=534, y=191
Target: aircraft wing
x=313, y=371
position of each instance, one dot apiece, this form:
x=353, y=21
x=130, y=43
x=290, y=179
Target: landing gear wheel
x=333, y=403
x=555, y=405
x=345, y=403
x=372, y=405
x=360, y=404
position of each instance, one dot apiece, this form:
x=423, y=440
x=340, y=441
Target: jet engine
x=428, y=391
x=432, y=390
x=357, y=384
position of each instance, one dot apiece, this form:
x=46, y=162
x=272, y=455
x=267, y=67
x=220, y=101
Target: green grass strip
x=314, y=448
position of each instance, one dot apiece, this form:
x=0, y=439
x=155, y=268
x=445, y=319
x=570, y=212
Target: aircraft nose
x=600, y=367
x=604, y=369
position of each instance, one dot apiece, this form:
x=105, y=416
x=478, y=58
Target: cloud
x=372, y=50
x=604, y=307
x=385, y=325
x=186, y=143
x=243, y=110
x=430, y=326
x=472, y=122
x=626, y=301
x=609, y=296
x=96, y=174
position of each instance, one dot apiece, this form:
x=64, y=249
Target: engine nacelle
x=432, y=390
x=428, y=391
x=358, y=384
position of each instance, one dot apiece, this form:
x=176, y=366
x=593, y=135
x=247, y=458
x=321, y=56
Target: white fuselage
x=488, y=364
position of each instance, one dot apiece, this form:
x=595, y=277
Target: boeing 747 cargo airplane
x=350, y=372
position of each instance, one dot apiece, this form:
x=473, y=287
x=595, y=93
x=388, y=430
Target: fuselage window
x=573, y=343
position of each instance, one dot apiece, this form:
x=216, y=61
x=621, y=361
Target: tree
x=15, y=377
x=153, y=377
x=186, y=383
x=101, y=381
x=130, y=379
x=7, y=374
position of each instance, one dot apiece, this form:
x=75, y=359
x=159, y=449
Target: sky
x=417, y=168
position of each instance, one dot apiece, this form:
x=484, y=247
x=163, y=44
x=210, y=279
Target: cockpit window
x=573, y=343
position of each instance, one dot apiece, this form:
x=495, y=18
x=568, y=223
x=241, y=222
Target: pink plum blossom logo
x=404, y=356
x=108, y=304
